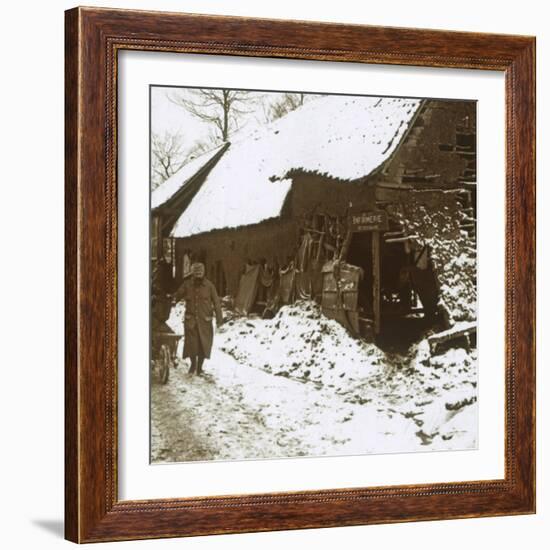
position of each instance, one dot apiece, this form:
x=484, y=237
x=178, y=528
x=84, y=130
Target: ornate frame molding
x=93, y=39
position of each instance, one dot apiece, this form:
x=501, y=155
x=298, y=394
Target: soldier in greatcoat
x=201, y=304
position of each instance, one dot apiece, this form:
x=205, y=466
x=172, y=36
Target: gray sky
x=166, y=116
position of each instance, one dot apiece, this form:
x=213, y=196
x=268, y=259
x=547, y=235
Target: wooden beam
x=376, y=280
x=345, y=245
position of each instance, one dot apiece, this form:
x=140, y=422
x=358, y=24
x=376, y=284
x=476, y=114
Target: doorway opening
x=398, y=294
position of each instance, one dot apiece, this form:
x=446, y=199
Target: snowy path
x=240, y=412
x=222, y=415
x=237, y=412
x=299, y=385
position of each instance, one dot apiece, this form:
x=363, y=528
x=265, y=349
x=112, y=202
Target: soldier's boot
x=199, y=365
x=193, y=368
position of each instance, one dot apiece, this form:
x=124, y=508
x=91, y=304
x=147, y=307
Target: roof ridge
x=344, y=137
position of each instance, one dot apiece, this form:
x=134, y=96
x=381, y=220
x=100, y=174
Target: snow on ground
x=302, y=344
x=299, y=385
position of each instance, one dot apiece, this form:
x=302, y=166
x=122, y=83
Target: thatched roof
x=342, y=137
x=166, y=190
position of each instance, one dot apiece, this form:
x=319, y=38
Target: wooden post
x=376, y=280
x=345, y=246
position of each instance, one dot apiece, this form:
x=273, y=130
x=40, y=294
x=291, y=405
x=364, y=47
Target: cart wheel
x=165, y=360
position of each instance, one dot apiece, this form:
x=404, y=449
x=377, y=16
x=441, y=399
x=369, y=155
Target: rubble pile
x=301, y=343
x=452, y=251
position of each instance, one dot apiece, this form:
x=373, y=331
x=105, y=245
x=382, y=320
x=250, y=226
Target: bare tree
x=167, y=156
x=203, y=145
x=222, y=108
x=288, y=102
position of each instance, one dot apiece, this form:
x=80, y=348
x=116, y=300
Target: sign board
x=373, y=220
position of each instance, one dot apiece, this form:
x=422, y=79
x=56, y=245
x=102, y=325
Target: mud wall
x=275, y=240
x=314, y=193
x=230, y=249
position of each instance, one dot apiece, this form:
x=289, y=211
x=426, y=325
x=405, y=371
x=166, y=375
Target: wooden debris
x=462, y=335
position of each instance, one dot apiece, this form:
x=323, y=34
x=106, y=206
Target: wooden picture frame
x=93, y=511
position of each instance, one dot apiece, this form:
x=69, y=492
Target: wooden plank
x=376, y=280
x=465, y=330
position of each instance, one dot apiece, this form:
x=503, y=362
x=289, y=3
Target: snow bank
x=338, y=136
x=408, y=402
x=428, y=400
x=301, y=343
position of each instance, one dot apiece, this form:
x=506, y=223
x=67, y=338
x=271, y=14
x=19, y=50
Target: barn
x=365, y=204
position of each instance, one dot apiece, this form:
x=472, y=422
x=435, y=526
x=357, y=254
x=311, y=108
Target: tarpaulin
x=304, y=252
x=286, y=285
x=303, y=285
x=248, y=287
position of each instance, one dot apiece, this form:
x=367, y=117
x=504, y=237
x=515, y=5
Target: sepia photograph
x=313, y=264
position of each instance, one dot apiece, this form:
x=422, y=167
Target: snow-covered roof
x=167, y=189
x=339, y=136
